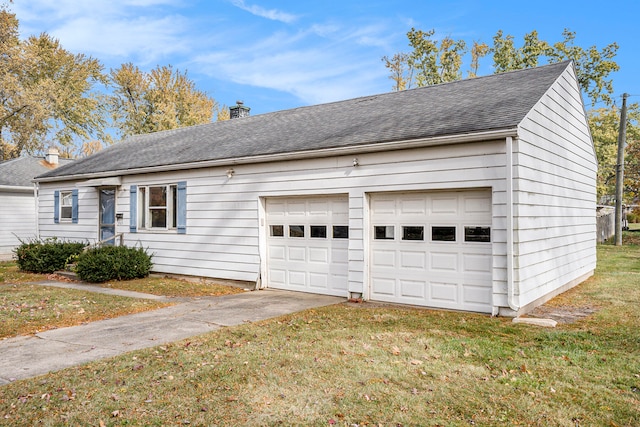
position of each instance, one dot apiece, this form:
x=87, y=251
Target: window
x=443, y=234
x=296, y=231
x=318, y=231
x=383, y=232
x=159, y=207
x=477, y=234
x=277, y=231
x=412, y=233
x=66, y=205
x=340, y=231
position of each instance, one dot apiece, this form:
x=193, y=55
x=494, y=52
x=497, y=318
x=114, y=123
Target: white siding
x=222, y=239
x=554, y=194
x=86, y=230
x=17, y=220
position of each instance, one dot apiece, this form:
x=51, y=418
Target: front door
x=107, y=214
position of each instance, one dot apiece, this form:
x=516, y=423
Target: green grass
x=364, y=364
x=27, y=308
x=173, y=287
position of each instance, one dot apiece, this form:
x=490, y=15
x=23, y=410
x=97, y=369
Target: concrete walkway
x=30, y=356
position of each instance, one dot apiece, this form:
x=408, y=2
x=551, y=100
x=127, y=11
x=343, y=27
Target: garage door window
x=340, y=231
x=277, y=231
x=318, y=231
x=296, y=231
x=443, y=234
x=477, y=234
x=412, y=233
x=383, y=232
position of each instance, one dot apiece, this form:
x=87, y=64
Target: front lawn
x=27, y=308
x=356, y=365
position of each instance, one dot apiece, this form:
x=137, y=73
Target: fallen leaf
x=115, y=414
x=416, y=362
x=395, y=351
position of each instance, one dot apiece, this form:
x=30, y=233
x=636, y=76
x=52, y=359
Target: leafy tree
x=432, y=62
x=159, y=100
x=604, y=124
x=223, y=113
x=400, y=71
x=45, y=91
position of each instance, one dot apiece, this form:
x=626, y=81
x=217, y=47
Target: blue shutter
x=182, y=207
x=56, y=206
x=74, y=206
x=133, y=208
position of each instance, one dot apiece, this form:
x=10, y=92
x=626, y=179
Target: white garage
x=307, y=244
x=432, y=249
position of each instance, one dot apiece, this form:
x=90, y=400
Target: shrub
x=46, y=256
x=113, y=263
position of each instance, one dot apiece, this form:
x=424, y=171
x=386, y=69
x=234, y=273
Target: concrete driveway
x=30, y=356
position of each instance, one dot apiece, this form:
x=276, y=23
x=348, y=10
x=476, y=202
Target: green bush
x=46, y=256
x=113, y=263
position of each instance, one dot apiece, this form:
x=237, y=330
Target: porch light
x=230, y=173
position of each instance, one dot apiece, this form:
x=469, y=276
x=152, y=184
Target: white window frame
x=145, y=210
x=66, y=196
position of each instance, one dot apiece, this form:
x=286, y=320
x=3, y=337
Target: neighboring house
x=475, y=195
x=17, y=198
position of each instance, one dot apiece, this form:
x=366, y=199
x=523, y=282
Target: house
x=476, y=195
x=17, y=198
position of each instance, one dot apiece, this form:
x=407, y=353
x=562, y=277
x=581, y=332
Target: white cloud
x=273, y=14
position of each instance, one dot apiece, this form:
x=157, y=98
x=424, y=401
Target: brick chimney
x=52, y=156
x=238, y=111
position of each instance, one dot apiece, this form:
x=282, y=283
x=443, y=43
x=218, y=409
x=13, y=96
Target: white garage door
x=432, y=249
x=307, y=244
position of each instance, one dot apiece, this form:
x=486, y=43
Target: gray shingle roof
x=21, y=171
x=467, y=106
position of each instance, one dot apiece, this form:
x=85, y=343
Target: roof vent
x=239, y=110
x=52, y=156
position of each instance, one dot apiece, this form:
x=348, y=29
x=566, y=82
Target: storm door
x=107, y=214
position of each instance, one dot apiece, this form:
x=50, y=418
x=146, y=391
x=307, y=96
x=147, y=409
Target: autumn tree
x=46, y=92
x=161, y=99
x=431, y=61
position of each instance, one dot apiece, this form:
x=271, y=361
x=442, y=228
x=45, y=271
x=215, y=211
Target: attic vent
x=239, y=110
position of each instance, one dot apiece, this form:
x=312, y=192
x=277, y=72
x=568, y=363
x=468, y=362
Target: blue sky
x=275, y=55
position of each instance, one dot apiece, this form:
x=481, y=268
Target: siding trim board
x=538, y=177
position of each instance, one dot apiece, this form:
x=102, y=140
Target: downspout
x=511, y=292
x=37, y=207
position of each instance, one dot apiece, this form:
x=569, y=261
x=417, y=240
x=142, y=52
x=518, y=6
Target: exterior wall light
x=230, y=173
x=355, y=162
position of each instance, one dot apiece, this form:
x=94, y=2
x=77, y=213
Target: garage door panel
x=413, y=206
x=318, y=280
x=384, y=206
x=278, y=276
x=444, y=205
x=298, y=254
x=476, y=295
x=413, y=260
x=444, y=261
x=413, y=289
x=427, y=268
x=340, y=256
x=478, y=263
x=338, y=282
x=384, y=258
x=442, y=292
x=278, y=252
x=297, y=278
x=383, y=286
x=476, y=205
x=319, y=255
